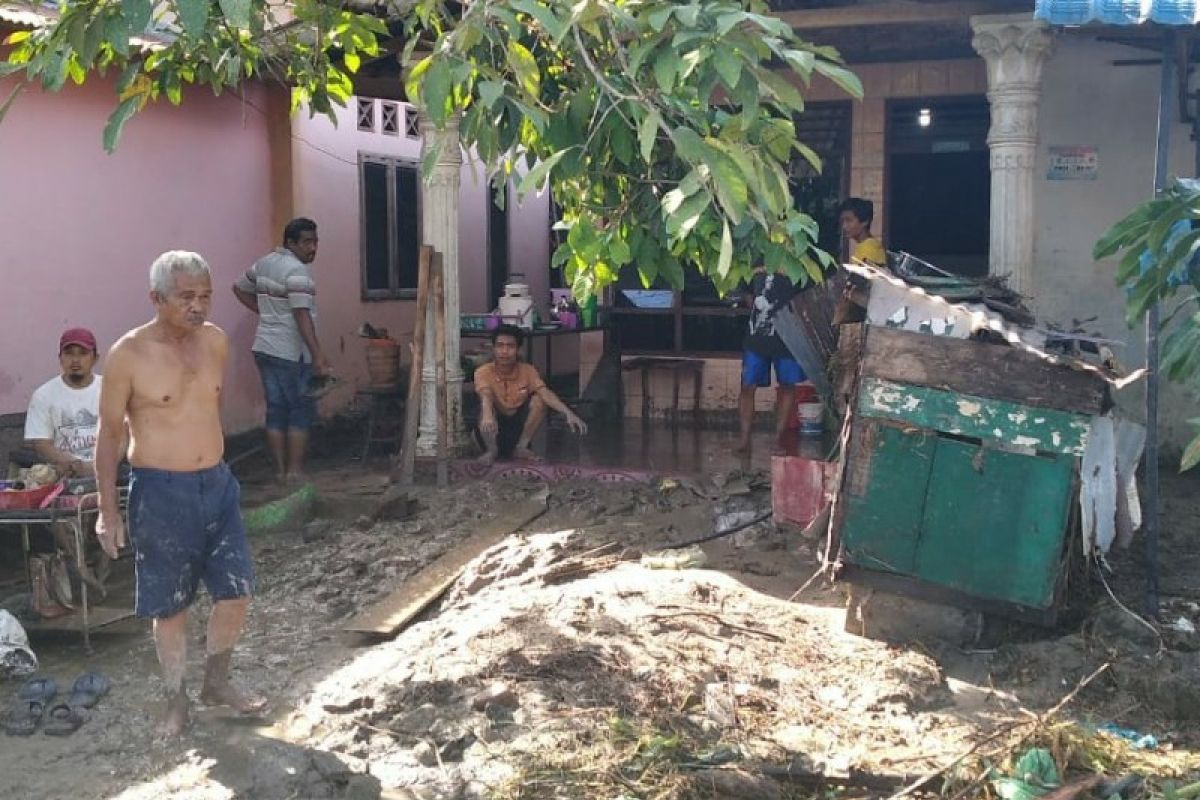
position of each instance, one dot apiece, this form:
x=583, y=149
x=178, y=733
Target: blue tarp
x=1118, y=12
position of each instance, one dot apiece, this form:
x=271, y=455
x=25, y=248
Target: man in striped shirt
x=280, y=289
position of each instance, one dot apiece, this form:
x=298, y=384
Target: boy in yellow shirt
x=855, y=216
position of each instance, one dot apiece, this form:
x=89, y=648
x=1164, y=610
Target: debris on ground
x=558, y=665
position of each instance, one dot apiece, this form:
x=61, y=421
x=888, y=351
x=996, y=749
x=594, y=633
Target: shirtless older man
x=165, y=378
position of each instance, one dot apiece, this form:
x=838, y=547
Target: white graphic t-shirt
x=66, y=416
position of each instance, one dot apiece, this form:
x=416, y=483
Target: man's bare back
x=173, y=390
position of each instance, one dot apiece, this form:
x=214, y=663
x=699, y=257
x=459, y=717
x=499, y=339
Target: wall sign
x=1074, y=163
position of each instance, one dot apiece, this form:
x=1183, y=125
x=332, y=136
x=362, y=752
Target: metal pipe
x=1167, y=100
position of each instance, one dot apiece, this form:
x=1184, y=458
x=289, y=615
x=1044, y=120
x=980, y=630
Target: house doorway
x=939, y=182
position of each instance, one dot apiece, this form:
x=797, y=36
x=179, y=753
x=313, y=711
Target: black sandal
x=23, y=717
x=63, y=719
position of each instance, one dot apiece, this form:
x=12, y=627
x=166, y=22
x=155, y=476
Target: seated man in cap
x=60, y=425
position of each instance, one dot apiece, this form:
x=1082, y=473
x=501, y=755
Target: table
x=545, y=333
x=71, y=511
x=647, y=364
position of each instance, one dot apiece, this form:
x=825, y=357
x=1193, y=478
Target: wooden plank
x=982, y=369
x=1043, y=429
x=405, y=462
x=894, y=13
x=439, y=353
x=393, y=612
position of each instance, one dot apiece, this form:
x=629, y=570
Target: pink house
x=221, y=175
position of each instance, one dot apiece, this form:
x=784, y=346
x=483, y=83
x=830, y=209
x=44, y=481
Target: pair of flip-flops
x=33, y=703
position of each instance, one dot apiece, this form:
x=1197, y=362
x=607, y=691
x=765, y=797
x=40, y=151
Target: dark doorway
x=939, y=182
x=497, y=233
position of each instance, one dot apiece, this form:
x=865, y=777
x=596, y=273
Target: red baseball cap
x=77, y=336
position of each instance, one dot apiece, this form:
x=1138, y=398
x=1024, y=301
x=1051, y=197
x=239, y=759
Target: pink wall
x=79, y=228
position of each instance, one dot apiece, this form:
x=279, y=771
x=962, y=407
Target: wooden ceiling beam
x=898, y=12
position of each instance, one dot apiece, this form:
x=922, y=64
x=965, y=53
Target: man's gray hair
x=172, y=263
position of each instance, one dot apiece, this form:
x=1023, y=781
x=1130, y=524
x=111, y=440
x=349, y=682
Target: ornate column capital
x=1015, y=46
x=446, y=140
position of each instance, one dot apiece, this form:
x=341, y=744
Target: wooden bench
x=676, y=367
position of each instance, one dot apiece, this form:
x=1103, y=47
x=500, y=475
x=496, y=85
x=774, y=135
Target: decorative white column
x=439, y=229
x=1015, y=48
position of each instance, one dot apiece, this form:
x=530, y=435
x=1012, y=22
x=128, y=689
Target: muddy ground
x=561, y=666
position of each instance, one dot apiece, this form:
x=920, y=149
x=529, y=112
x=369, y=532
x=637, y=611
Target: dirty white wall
x=1086, y=100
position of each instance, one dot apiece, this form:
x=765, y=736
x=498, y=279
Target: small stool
x=385, y=415
x=675, y=366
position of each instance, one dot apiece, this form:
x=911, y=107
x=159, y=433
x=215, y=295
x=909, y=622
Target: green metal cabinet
x=978, y=520
x=968, y=494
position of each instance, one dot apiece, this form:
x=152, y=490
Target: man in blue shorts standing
x=165, y=379
x=763, y=352
x=281, y=290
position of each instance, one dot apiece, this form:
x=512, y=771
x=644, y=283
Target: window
x=697, y=322
x=390, y=210
x=389, y=118
x=412, y=123
x=366, y=115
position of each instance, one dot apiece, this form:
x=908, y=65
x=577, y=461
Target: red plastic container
x=805, y=393
x=24, y=500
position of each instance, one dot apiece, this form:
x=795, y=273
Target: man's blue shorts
x=285, y=384
x=187, y=526
x=756, y=370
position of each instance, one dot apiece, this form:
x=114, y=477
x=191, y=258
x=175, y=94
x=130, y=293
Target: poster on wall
x=1073, y=163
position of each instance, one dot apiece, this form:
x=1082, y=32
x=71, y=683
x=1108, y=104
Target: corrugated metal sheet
x=23, y=15
x=1118, y=12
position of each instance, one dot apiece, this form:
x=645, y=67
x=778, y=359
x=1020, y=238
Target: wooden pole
x=405, y=462
x=439, y=349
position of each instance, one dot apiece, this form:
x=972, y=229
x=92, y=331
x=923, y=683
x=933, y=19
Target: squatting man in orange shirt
x=513, y=400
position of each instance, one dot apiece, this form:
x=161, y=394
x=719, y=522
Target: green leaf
x=801, y=61
x=1123, y=233
x=730, y=185
x=490, y=92
x=726, y=256
x=666, y=67
x=689, y=15
x=412, y=85
x=782, y=89
x=621, y=142
x=435, y=91
x=537, y=176
x=1191, y=455
x=117, y=120
x=728, y=64
x=670, y=270
x=689, y=144
x=16, y=37
x=844, y=78
x=525, y=67
x=809, y=155
x=237, y=12
x=682, y=221
x=193, y=16
x=659, y=17
x=552, y=25
x=352, y=61
x=648, y=132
